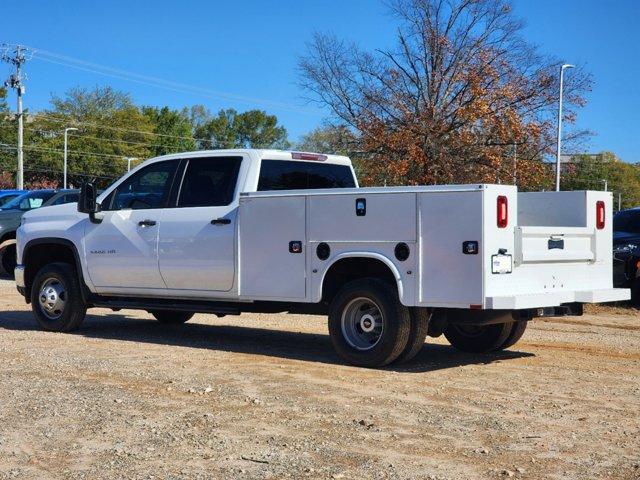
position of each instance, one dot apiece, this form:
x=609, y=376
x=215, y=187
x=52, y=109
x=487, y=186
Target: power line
x=64, y=60
x=46, y=149
x=56, y=133
x=107, y=127
x=74, y=122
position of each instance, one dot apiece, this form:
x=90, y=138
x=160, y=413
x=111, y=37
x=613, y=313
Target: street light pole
x=66, y=134
x=562, y=69
x=606, y=184
x=129, y=160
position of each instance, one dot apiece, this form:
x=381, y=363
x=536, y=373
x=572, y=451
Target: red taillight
x=503, y=211
x=308, y=156
x=600, y=215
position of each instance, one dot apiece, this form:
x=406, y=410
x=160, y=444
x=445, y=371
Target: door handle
x=221, y=221
x=147, y=223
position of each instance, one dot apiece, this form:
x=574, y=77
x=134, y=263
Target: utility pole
x=15, y=81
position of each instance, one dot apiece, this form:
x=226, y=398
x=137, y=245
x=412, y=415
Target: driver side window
x=149, y=188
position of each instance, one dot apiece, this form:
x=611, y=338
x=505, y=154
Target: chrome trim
x=19, y=275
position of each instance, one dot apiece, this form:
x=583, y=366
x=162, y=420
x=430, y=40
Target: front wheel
x=368, y=325
x=56, y=298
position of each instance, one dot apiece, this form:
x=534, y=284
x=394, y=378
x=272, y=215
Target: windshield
x=7, y=198
x=28, y=201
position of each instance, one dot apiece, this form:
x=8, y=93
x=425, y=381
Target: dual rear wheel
x=369, y=327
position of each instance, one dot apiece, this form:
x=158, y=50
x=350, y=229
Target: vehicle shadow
x=259, y=341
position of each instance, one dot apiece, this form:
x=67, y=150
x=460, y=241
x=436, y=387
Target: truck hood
x=54, y=212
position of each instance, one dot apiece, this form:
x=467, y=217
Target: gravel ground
x=264, y=396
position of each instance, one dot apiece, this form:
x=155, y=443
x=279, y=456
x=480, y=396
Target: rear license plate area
x=501, y=264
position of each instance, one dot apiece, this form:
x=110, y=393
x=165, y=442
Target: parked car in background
x=11, y=215
x=7, y=195
x=626, y=251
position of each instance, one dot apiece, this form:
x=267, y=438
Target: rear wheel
x=517, y=330
x=174, y=317
x=56, y=298
x=417, y=335
x=478, y=338
x=368, y=325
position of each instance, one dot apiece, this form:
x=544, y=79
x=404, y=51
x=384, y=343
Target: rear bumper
x=552, y=299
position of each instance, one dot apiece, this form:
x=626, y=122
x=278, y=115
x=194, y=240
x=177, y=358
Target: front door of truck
x=197, y=237
x=122, y=251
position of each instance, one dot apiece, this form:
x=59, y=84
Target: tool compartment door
x=267, y=268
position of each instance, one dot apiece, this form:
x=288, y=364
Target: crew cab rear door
x=197, y=236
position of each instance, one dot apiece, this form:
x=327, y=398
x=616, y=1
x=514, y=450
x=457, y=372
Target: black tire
x=635, y=293
x=392, y=319
x=517, y=330
x=63, y=282
x=417, y=335
x=478, y=338
x=7, y=258
x=171, y=317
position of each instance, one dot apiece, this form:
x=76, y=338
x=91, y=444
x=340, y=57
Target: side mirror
x=87, y=201
x=87, y=198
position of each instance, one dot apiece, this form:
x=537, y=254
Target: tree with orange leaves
x=458, y=98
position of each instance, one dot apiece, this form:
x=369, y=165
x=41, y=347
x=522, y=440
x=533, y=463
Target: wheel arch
x=10, y=235
x=349, y=266
x=42, y=251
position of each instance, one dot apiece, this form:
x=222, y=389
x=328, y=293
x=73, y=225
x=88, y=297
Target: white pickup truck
x=234, y=231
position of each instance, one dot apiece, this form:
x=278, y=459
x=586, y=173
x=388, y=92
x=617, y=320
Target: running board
x=217, y=308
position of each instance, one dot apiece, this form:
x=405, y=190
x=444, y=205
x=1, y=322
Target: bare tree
x=450, y=101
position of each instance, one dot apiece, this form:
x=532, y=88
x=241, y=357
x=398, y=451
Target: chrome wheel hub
x=362, y=323
x=52, y=298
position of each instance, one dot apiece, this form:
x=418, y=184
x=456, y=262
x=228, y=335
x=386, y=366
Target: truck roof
x=259, y=154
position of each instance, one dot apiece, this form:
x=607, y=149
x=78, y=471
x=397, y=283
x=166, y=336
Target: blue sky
x=249, y=48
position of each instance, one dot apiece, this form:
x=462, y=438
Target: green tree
x=589, y=172
x=8, y=138
x=110, y=129
x=173, y=128
x=251, y=129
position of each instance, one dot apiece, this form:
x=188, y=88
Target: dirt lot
x=264, y=396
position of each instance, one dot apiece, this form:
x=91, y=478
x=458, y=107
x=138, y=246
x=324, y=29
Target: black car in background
x=626, y=251
x=11, y=215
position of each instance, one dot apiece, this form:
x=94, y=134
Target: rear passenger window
x=287, y=175
x=209, y=182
